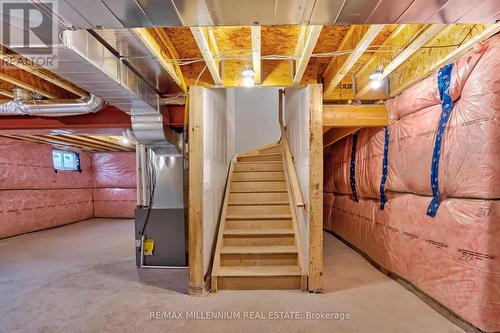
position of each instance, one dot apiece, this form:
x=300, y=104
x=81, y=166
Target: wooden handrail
x=290, y=165
x=222, y=221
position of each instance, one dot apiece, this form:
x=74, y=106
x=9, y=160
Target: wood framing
x=162, y=48
x=220, y=233
x=415, y=45
x=195, y=195
x=312, y=35
x=421, y=64
x=21, y=84
x=335, y=73
x=256, y=52
x=315, y=204
x=332, y=135
x=24, y=64
x=354, y=115
x=202, y=42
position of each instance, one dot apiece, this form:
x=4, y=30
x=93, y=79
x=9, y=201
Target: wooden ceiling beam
x=24, y=64
x=44, y=140
x=161, y=47
x=410, y=49
x=21, y=84
x=312, y=35
x=355, y=36
x=333, y=135
x=96, y=140
x=420, y=65
x=76, y=142
x=256, y=52
x=355, y=115
x=200, y=37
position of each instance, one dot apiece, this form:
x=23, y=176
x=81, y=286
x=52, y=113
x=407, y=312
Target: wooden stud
x=333, y=75
x=195, y=195
x=202, y=42
x=256, y=52
x=423, y=38
x=312, y=35
x=332, y=135
x=315, y=204
x=354, y=115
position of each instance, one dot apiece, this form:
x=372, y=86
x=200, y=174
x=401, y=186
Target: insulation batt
x=114, y=170
x=454, y=257
x=27, y=165
x=24, y=211
x=470, y=153
x=427, y=90
x=114, y=202
x=33, y=197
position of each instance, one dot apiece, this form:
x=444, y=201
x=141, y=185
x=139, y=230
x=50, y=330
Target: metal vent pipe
x=24, y=104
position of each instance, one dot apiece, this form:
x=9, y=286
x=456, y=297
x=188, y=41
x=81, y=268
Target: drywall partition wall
x=114, y=184
x=304, y=131
x=211, y=133
x=297, y=120
x=256, y=121
x=33, y=196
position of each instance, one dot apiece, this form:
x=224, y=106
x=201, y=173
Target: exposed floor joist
x=334, y=74
x=333, y=135
x=24, y=64
x=312, y=35
x=202, y=42
x=162, y=48
x=354, y=115
x=256, y=53
x=421, y=64
x=415, y=45
x=27, y=86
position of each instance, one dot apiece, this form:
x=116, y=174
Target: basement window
x=66, y=161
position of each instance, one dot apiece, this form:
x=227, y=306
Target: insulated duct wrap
x=455, y=256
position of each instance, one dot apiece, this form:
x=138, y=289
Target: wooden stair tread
x=259, y=217
x=259, y=271
x=251, y=232
x=258, y=249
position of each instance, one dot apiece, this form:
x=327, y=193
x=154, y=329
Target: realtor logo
x=30, y=30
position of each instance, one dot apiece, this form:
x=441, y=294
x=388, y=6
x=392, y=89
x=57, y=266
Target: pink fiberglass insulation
x=27, y=165
x=114, y=202
x=469, y=166
x=24, y=211
x=115, y=170
x=454, y=257
x=427, y=90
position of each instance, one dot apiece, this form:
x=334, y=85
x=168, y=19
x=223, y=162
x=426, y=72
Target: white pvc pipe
x=138, y=175
x=144, y=177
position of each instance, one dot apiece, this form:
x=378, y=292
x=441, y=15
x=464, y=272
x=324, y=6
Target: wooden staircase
x=257, y=241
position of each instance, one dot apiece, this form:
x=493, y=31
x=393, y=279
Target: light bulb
x=125, y=140
x=248, y=72
x=248, y=82
x=375, y=84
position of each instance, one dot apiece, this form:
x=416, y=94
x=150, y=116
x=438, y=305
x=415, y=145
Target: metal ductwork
x=24, y=104
x=86, y=62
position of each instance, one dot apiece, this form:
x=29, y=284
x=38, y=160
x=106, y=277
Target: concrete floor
x=82, y=278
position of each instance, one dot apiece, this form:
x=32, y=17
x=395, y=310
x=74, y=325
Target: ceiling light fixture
x=248, y=72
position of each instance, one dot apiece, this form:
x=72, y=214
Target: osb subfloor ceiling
x=341, y=57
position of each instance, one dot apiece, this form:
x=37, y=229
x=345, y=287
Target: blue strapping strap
x=447, y=106
x=353, y=167
x=383, y=199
